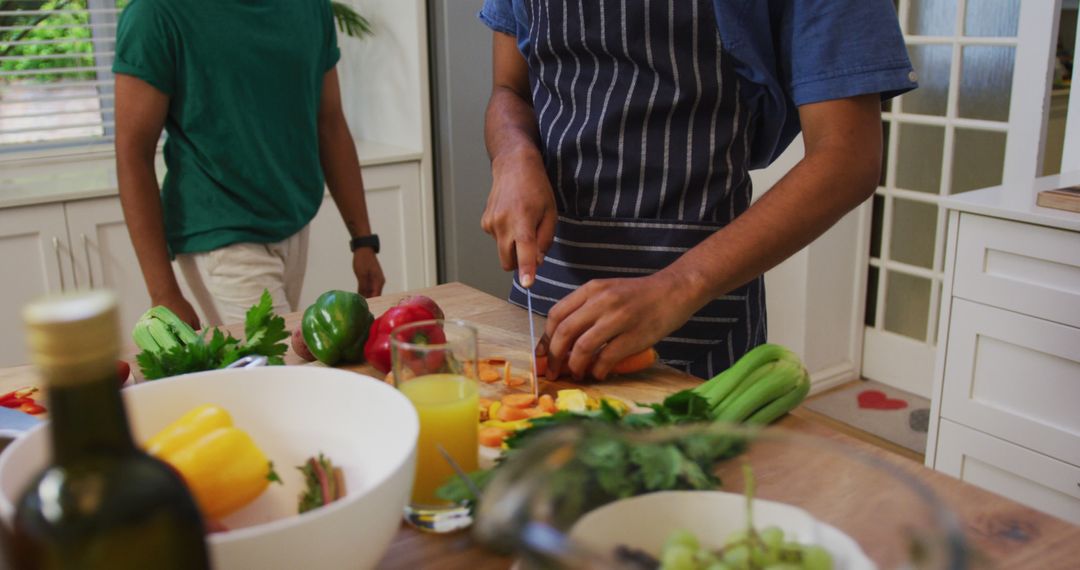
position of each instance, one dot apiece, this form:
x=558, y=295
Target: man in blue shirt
x=622, y=133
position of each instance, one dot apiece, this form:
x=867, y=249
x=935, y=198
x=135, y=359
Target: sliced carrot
x=485, y=402
x=491, y=436
x=518, y=400
x=508, y=414
x=506, y=373
x=636, y=362
x=547, y=404
x=515, y=381
x=488, y=375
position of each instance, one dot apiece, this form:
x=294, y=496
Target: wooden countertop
x=846, y=493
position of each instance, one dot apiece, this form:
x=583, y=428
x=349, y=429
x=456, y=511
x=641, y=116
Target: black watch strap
x=371, y=241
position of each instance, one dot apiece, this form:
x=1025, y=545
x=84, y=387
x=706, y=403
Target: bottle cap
x=73, y=338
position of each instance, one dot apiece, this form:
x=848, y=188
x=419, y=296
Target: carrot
x=514, y=381
x=509, y=414
x=547, y=404
x=518, y=400
x=636, y=362
x=485, y=402
x=491, y=436
x=506, y=373
x=488, y=375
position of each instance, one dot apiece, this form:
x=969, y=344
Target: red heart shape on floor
x=877, y=400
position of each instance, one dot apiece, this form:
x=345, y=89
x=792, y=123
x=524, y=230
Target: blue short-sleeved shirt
x=790, y=53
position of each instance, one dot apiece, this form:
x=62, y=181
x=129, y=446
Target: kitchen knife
x=532, y=345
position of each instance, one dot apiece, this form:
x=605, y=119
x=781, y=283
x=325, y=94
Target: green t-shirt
x=244, y=80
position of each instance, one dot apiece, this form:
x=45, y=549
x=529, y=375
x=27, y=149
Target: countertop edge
x=1017, y=202
x=42, y=181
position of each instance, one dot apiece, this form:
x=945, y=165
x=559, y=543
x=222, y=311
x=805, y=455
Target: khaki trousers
x=226, y=282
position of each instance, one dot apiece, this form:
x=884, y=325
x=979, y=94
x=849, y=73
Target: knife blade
x=532, y=345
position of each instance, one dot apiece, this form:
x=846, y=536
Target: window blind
x=56, y=83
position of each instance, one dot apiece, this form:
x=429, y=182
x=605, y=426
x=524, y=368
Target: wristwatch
x=371, y=241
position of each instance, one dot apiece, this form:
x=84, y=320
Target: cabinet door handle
x=86, y=254
x=59, y=262
x=74, y=274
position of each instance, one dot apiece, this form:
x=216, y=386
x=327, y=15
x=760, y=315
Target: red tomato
x=123, y=371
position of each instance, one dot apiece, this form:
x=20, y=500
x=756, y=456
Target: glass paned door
x=947, y=137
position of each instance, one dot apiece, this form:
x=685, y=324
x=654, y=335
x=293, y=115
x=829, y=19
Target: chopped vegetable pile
x=762, y=386
x=22, y=400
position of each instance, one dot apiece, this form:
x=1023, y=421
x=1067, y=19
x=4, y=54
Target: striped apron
x=645, y=141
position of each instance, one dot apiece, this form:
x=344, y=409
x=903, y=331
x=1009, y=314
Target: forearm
x=510, y=128
x=813, y=196
x=140, y=199
x=341, y=167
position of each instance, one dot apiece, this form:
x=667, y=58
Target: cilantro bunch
x=264, y=334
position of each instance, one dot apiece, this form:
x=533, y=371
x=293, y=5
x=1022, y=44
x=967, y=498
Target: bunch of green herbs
x=264, y=333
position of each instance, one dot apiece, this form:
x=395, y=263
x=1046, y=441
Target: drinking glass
x=434, y=365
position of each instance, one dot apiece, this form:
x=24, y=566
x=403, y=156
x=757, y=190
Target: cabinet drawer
x=1022, y=267
x=1015, y=377
x=1020, y=474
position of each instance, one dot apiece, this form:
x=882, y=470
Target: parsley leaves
x=264, y=332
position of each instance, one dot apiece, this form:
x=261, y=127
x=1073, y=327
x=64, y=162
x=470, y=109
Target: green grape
x=737, y=556
x=736, y=537
x=816, y=558
x=705, y=558
x=773, y=537
x=678, y=557
x=720, y=565
x=682, y=537
x=783, y=566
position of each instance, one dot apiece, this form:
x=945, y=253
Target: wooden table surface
x=825, y=479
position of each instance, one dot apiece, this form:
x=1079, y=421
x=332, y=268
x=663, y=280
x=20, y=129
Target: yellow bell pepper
x=220, y=463
x=573, y=400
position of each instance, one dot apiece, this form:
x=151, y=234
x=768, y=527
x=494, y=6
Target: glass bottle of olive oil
x=102, y=503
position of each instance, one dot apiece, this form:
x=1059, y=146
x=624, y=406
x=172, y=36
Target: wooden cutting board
x=1061, y=199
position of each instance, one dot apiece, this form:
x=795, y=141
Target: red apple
x=425, y=302
x=299, y=345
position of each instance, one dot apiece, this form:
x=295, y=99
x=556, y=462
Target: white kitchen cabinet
x=1009, y=469
x=394, y=204
x=65, y=246
x=35, y=254
x=104, y=258
x=1007, y=381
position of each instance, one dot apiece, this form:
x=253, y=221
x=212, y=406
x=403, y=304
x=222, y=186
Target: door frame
x=900, y=361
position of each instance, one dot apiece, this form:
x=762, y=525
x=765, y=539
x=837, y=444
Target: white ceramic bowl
x=292, y=412
x=644, y=523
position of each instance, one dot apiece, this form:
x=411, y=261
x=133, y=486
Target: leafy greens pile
x=264, y=333
x=607, y=466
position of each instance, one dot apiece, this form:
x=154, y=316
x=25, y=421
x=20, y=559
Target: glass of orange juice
x=434, y=365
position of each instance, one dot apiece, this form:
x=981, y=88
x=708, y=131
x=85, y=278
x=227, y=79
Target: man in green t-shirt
x=248, y=94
